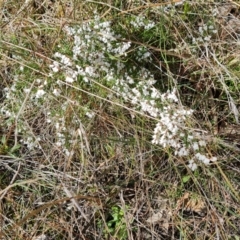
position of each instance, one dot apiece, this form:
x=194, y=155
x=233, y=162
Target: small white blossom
x=207, y=38
x=56, y=92
x=27, y=90
x=55, y=66
x=206, y=161
x=40, y=93
x=69, y=79
x=58, y=144
x=182, y=152
x=192, y=165
x=89, y=70
x=90, y=114
x=195, y=146
x=85, y=79
x=202, y=158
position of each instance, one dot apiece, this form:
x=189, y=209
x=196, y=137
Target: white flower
x=192, y=165
x=55, y=66
x=63, y=59
x=202, y=143
x=202, y=158
x=58, y=144
x=195, y=146
x=66, y=61
x=68, y=153
x=145, y=92
x=182, y=152
x=69, y=79
x=149, y=25
x=207, y=38
x=198, y=155
x=89, y=70
x=7, y=113
x=155, y=93
x=205, y=27
x=27, y=90
x=136, y=92
x=146, y=55
x=56, y=92
x=90, y=114
x=206, y=161
x=38, y=80
x=85, y=79
x=173, y=97
x=134, y=100
x=40, y=93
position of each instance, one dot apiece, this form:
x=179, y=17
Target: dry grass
x=117, y=184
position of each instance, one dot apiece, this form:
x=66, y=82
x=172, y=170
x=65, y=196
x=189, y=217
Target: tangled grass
x=119, y=120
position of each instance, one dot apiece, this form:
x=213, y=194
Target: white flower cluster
x=136, y=86
x=205, y=33
x=30, y=96
x=171, y=131
x=168, y=129
x=65, y=65
x=94, y=42
x=171, y=7
x=40, y=93
x=142, y=22
x=143, y=95
x=198, y=157
x=97, y=54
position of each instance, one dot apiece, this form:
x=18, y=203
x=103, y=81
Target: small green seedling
x=117, y=225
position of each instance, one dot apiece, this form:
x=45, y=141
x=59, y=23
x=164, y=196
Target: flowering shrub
x=100, y=55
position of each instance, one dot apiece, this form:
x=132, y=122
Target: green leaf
x=185, y=179
x=3, y=140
